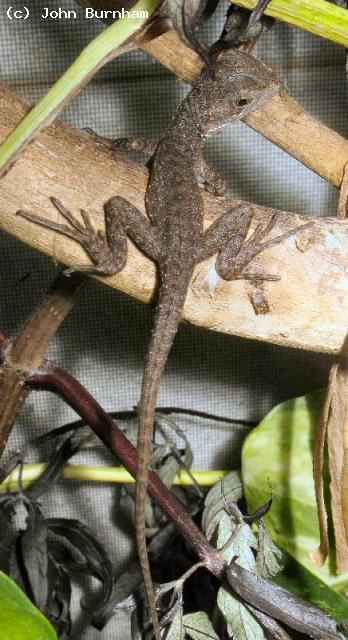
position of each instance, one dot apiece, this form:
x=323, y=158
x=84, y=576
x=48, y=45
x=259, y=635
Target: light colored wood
x=308, y=306
x=282, y=120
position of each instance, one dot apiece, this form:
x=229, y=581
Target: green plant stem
x=111, y=43
x=32, y=472
x=316, y=16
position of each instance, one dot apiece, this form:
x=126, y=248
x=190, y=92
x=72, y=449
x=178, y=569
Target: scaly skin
x=173, y=233
x=174, y=204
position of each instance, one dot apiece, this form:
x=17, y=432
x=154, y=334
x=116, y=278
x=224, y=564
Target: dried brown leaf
x=320, y=554
x=343, y=199
x=337, y=424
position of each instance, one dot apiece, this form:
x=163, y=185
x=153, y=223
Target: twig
x=190, y=412
x=258, y=11
x=50, y=378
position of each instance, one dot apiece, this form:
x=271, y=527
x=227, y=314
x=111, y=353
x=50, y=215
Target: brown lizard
x=172, y=234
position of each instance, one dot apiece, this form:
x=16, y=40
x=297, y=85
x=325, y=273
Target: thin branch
x=124, y=415
x=50, y=378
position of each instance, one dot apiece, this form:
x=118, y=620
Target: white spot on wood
x=343, y=284
x=212, y=279
x=331, y=242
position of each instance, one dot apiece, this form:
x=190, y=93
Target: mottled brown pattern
x=173, y=234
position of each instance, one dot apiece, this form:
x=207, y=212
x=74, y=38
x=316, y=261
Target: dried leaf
x=268, y=559
x=229, y=489
x=168, y=471
x=97, y=560
x=54, y=469
x=198, y=626
x=238, y=540
x=187, y=456
x=176, y=630
x=320, y=554
x=124, y=587
x=342, y=211
x=281, y=604
x=58, y=605
x=130, y=430
x=240, y=623
x=136, y=626
x=273, y=628
x=8, y=533
x=34, y=555
x=336, y=429
x=187, y=16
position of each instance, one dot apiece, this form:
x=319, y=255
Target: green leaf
x=240, y=623
x=278, y=454
x=198, y=626
x=297, y=579
x=322, y=18
x=19, y=619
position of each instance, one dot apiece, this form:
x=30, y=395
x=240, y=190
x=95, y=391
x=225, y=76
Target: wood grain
x=308, y=306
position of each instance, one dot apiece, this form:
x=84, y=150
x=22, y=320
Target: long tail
x=166, y=323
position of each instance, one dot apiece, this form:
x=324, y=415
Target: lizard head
x=240, y=83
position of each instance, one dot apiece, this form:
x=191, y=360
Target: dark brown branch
x=50, y=378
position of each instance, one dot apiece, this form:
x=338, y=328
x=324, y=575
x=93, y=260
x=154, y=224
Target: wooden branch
x=23, y=354
x=308, y=306
x=282, y=120
x=51, y=378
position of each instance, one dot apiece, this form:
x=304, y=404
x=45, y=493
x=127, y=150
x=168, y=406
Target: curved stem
x=50, y=378
x=118, y=475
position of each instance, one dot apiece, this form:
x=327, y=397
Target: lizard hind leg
x=231, y=266
x=227, y=237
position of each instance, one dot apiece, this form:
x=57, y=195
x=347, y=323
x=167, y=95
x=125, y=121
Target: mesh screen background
x=103, y=341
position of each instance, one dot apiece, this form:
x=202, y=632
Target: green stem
x=32, y=472
x=316, y=16
x=103, y=48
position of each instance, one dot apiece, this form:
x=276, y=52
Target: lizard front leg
x=209, y=178
x=146, y=146
x=108, y=251
x=227, y=237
